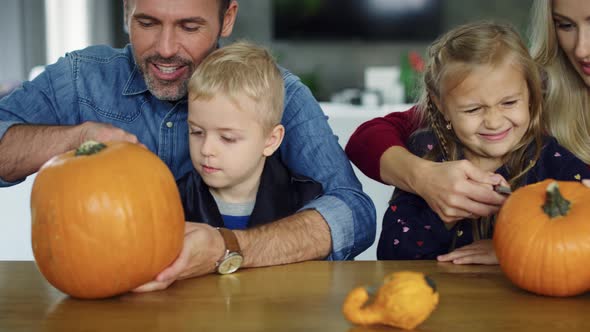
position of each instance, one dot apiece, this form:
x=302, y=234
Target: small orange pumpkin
x=542, y=238
x=405, y=299
x=106, y=218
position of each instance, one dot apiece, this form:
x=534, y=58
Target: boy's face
x=228, y=145
x=489, y=112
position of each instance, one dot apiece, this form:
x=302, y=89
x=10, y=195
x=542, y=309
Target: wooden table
x=297, y=297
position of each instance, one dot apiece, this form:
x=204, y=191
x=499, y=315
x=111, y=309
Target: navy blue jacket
x=280, y=194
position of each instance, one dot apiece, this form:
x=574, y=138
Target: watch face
x=230, y=264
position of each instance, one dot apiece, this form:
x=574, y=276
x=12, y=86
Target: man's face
x=170, y=38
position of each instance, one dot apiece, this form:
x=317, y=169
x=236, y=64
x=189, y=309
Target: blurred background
x=360, y=58
x=329, y=43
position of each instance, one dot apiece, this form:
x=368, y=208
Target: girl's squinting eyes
x=472, y=110
x=510, y=103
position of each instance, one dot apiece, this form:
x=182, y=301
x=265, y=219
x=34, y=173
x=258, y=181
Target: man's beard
x=165, y=90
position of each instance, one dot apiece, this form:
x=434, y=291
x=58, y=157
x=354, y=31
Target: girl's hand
x=586, y=182
x=479, y=252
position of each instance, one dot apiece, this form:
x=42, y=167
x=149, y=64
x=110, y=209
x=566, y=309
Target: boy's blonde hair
x=567, y=99
x=452, y=58
x=242, y=69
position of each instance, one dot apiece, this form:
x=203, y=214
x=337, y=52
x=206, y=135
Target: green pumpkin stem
x=89, y=148
x=555, y=205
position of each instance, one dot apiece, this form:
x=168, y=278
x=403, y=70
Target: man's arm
x=25, y=148
x=300, y=237
x=310, y=148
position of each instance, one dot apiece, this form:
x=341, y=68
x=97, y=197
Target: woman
x=457, y=190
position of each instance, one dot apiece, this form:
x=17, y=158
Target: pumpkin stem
x=89, y=148
x=555, y=204
x=430, y=283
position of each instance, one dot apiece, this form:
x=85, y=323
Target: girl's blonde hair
x=452, y=58
x=242, y=69
x=567, y=100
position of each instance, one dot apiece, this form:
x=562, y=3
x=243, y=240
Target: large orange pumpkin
x=106, y=218
x=542, y=238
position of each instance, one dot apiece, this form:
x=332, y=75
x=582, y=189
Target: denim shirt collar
x=135, y=84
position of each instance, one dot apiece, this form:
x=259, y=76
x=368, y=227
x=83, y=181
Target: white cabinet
x=344, y=119
x=15, y=221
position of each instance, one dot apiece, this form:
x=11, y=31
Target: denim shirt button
x=169, y=124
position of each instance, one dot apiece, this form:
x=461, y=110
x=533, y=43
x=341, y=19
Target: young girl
x=481, y=102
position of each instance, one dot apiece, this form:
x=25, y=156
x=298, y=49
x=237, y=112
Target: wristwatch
x=232, y=259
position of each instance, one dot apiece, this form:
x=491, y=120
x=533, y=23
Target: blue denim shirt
x=103, y=84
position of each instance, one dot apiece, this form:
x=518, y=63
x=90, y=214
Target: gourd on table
x=405, y=300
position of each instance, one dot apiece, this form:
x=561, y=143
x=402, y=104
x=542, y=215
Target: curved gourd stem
x=356, y=311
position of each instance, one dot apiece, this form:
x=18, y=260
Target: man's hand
x=458, y=189
x=103, y=132
x=203, y=247
x=479, y=252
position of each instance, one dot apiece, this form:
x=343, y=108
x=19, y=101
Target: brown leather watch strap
x=230, y=239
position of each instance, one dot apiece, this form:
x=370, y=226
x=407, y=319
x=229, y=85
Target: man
x=138, y=94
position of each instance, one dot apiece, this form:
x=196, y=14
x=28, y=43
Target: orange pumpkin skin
x=106, y=223
x=544, y=255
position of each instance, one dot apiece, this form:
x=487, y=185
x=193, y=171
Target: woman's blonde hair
x=567, y=100
x=242, y=69
x=452, y=58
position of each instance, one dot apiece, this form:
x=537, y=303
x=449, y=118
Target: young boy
x=235, y=106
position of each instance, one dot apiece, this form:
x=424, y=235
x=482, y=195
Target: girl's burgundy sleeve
x=370, y=140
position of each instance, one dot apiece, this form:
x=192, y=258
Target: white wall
x=15, y=222
x=344, y=119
